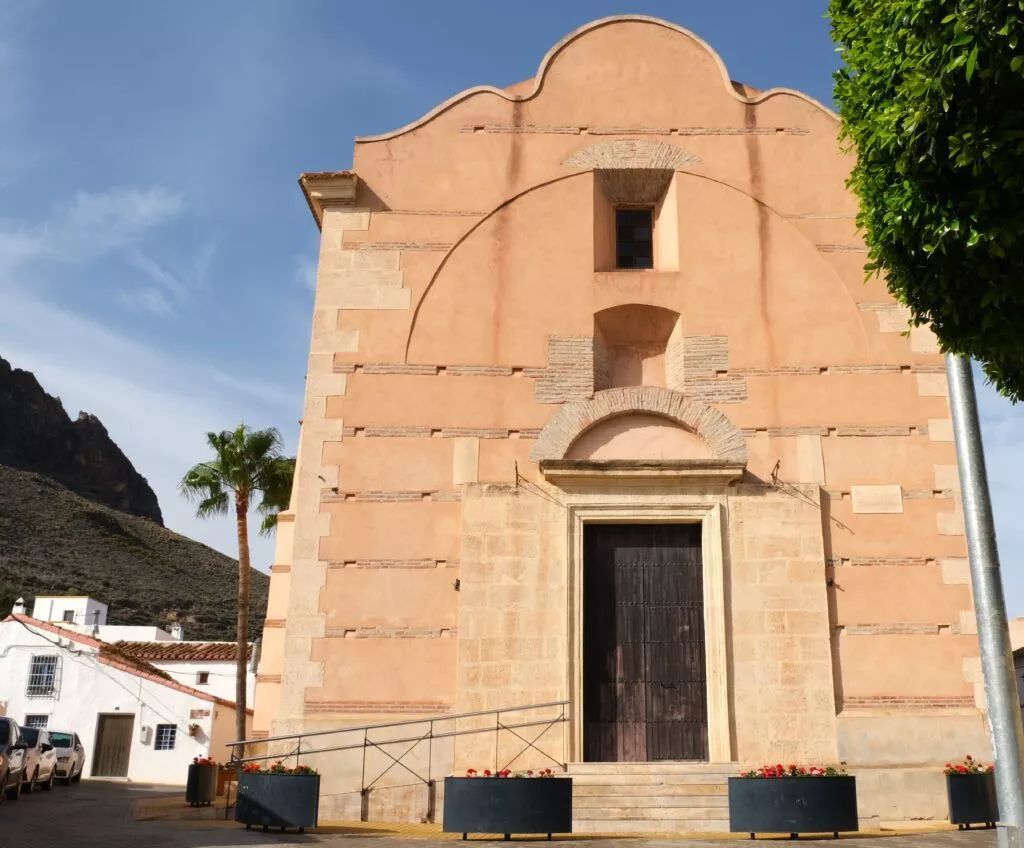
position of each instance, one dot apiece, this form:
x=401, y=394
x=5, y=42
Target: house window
x=36, y=720
x=42, y=677
x=166, y=735
x=69, y=616
x=202, y=678
x=634, y=238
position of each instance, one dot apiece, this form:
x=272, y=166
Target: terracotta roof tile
x=181, y=651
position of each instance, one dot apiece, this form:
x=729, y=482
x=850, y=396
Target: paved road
x=99, y=815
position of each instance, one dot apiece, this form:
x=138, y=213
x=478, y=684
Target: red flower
x=487, y=772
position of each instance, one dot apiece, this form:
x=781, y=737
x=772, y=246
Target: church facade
x=600, y=410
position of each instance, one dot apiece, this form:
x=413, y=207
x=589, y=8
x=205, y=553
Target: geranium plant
x=277, y=768
x=203, y=761
x=509, y=773
x=969, y=765
x=793, y=770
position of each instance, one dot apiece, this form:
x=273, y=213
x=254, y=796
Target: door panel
x=113, y=745
x=644, y=681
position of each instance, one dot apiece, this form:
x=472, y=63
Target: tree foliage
x=247, y=465
x=932, y=100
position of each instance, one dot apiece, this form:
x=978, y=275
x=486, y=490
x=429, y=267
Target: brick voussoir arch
x=573, y=419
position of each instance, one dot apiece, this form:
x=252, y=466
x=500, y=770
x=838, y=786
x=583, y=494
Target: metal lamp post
x=989, y=603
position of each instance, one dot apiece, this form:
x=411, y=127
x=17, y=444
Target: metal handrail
x=412, y=742
x=424, y=720
x=363, y=744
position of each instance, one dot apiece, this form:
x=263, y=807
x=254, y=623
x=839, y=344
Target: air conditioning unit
x=145, y=733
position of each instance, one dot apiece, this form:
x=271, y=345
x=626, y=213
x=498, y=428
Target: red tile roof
x=182, y=651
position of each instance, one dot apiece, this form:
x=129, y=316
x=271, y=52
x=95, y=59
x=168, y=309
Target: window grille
x=202, y=678
x=43, y=677
x=37, y=721
x=166, y=735
x=69, y=616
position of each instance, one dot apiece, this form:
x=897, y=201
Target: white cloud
x=305, y=271
x=149, y=299
x=95, y=223
x=137, y=259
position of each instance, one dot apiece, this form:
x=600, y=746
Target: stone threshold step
x=648, y=826
x=678, y=802
x=648, y=779
x=650, y=813
x=603, y=790
x=660, y=767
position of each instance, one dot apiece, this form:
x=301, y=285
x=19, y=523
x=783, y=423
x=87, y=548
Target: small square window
x=36, y=720
x=634, y=238
x=69, y=616
x=166, y=736
x=202, y=678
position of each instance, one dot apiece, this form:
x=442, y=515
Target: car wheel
x=14, y=793
x=3, y=788
x=53, y=779
x=33, y=784
x=77, y=778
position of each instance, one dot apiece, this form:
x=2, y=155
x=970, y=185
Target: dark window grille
x=202, y=678
x=634, y=238
x=166, y=736
x=36, y=721
x=42, y=677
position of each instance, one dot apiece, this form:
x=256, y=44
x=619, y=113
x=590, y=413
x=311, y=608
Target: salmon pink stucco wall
x=466, y=294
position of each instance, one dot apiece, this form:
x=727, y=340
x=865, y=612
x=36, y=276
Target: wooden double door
x=644, y=676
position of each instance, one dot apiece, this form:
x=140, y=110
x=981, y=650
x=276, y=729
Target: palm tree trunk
x=242, y=635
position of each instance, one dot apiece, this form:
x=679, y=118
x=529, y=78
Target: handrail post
x=497, y=725
x=298, y=748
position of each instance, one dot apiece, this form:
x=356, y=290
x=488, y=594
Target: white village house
x=143, y=720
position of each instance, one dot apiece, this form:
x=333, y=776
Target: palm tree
x=247, y=465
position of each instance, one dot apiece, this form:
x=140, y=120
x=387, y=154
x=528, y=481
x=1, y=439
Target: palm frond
x=276, y=486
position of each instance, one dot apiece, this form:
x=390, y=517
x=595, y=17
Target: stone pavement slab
x=95, y=814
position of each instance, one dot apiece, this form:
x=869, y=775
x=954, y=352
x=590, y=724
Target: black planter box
x=278, y=800
x=972, y=799
x=507, y=805
x=793, y=805
x=201, y=786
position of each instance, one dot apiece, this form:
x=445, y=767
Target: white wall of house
x=78, y=610
x=220, y=676
x=87, y=688
x=132, y=633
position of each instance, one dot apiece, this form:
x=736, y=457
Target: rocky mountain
x=53, y=541
x=76, y=518
x=36, y=434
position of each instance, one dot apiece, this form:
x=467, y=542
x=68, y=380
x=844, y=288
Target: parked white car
x=70, y=755
x=40, y=760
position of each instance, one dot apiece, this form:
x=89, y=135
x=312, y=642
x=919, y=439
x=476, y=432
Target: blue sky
x=156, y=254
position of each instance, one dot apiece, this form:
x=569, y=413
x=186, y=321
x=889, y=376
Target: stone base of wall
x=886, y=797
x=890, y=796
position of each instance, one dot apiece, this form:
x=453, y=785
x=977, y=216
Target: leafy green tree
x=247, y=466
x=932, y=100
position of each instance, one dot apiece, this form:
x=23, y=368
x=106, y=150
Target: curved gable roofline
x=538, y=80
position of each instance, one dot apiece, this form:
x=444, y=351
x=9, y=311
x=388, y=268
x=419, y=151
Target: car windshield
x=61, y=740
x=30, y=735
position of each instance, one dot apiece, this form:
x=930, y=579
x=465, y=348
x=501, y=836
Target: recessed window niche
x=637, y=345
x=636, y=220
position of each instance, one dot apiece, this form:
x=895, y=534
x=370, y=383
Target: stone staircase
x=661, y=797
